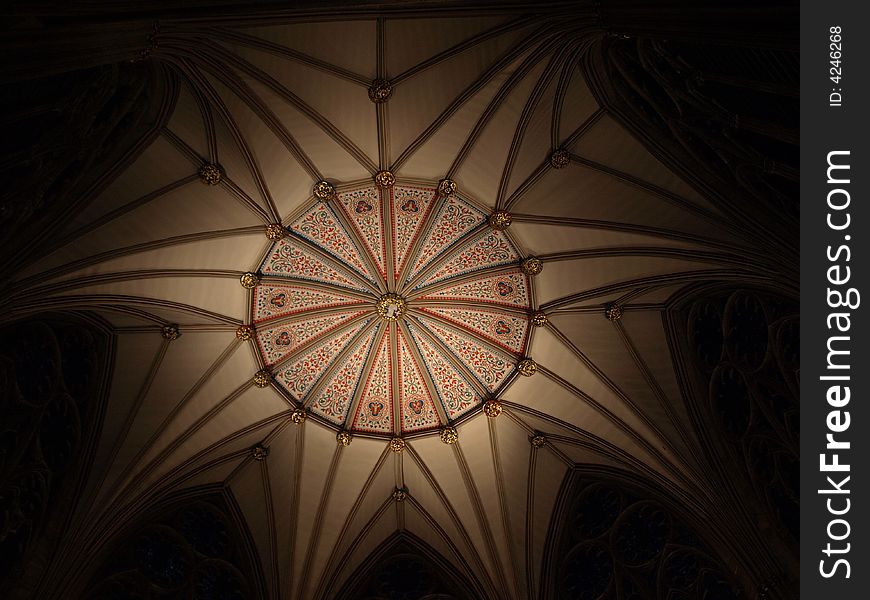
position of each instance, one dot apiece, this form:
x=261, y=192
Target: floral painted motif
x=272, y=301
x=375, y=410
x=278, y=341
x=320, y=226
x=505, y=329
x=410, y=208
x=364, y=210
x=510, y=289
x=490, y=367
x=333, y=400
x=453, y=220
x=456, y=394
x=418, y=411
x=492, y=250
x=304, y=372
x=334, y=345
x=291, y=260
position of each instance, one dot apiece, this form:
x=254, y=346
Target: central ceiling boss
x=391, y=309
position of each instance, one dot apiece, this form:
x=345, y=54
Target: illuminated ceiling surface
x=402, y=309
x=494, y=102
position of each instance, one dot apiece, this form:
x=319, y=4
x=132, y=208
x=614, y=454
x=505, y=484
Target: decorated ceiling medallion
x=171, y=332
x=391, y=307
x=259, y=452
x=492, y=408
x=539, y=319
x=446, y=187
x=391, y=310
x=275, y=231
x=613, y=312
x=262, y=378
x=384, y=178
x=210, y=174
x=532, y=265
x=527, y=367
x=244, y=332
x=500, y=220
x=449, y=435
x=380, y=90
x=560, y=159
x=249, y=280
x=324, y=190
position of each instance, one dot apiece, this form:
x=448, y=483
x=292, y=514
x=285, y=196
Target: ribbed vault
x=265, y=110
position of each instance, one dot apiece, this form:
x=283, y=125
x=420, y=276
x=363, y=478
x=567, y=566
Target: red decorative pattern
x=492, y=250
x=375, y=410
x=418, y=411
x=286, y=338
x=502, y=328
x=272, y=301
x=509, y=289
x=453, y=220
x=410, y=206
x=320, y=226
x=303, y=373
x=490, y=367
x=334, y=400
x=452, y=347
x=456, y=394
x=364, y=209
x=286, y=259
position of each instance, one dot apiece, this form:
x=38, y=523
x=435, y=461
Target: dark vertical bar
x=835, y=224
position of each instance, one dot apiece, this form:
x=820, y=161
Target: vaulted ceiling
x=495, y=101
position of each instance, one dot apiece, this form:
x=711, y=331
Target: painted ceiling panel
x=391, y=309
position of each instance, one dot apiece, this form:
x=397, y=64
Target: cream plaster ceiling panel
x=327, y=41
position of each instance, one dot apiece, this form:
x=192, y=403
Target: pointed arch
x=407, y=563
